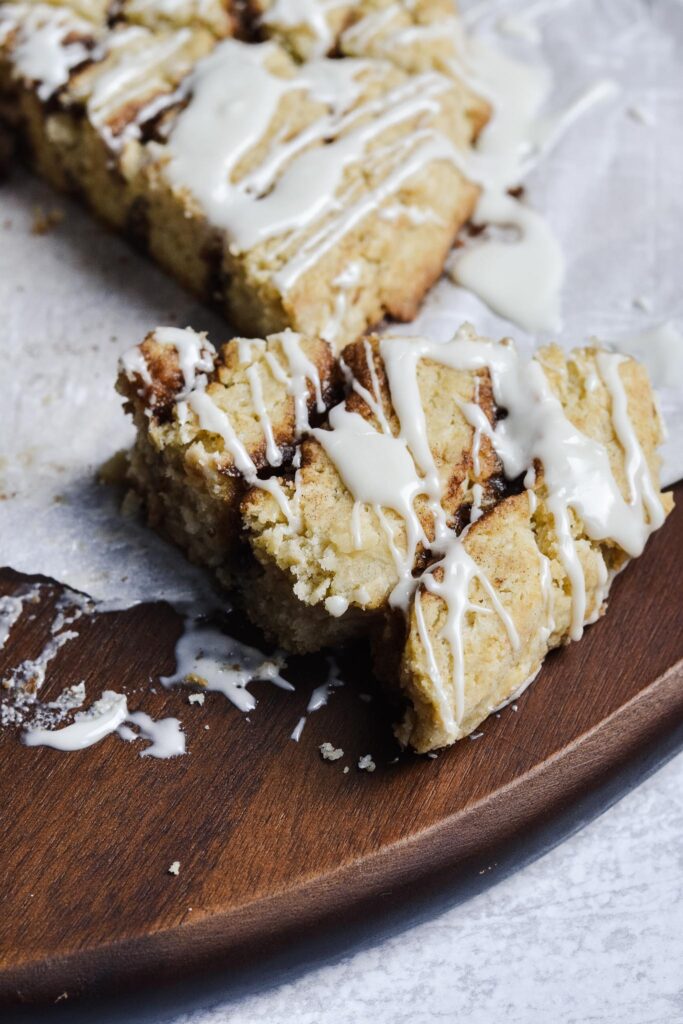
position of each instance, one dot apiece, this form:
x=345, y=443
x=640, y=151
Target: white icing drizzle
x=211, y=11
x=12, y=607
x=102, y=719
x=298, y=183
x=311, y=15
x=216, y=421
x=642, y=493
x=348, y=278
x=166, y=736
x=298, y=729
x=196, y=354
x=576, y=475
x=71, y=697
x=302, y=370
x=221, y=663
x=196, y=357
x=134, y=364
x=106, y=716
x=134, y=68
x=50, y=43
x=519, y=278
x=384, y=477
x=319, y=697
x=413, y=214
x=273, y=453
x=336, y=605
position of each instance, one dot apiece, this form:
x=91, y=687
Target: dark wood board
x=273, y=842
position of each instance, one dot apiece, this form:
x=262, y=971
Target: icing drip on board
x=109, y=715
x=217, y=662
x=12, y=606
x=319, y=696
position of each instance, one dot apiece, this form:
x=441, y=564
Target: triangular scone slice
x=531, y=579
x=328, y=201
x=211, y=423
x=338, y=569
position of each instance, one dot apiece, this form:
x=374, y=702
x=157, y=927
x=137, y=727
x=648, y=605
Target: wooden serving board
x=273, y=842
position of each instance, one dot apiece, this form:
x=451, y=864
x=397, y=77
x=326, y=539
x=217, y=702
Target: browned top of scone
x=323, y=557
x=153, y=382
x=450, y=435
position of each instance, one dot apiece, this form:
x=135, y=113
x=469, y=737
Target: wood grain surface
x=272, y=840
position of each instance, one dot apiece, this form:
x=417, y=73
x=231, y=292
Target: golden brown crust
x=185, y=474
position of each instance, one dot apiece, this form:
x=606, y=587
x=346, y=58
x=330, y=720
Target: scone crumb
x=366, y=764
x=330, y=753
x=196, y=698
x=346, y=769
x=45, y=220
x=174, y=869
x=476, y=735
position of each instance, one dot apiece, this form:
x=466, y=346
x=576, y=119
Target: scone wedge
x=465, y=507
x=317, y=196
x=556, y=485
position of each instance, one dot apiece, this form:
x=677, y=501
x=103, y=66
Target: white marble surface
x=592, y=932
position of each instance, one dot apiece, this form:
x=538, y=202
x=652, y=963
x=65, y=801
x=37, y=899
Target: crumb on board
x=196, y=698
x=476, y=735
x=432, y=755
x=330, y=753
x=174, y=869
x=346, y=769
x=366, y=764
x=45, y=221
